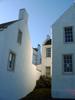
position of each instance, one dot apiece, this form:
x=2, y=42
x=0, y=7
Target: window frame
x=67, y=73
x=72, y=34
x=47, y=53
x=8, y=68
x=19, y=39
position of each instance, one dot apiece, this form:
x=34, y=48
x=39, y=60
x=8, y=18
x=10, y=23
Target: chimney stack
x=23, y=15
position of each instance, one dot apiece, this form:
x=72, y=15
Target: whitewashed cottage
x=63, y=59
x=17, y=74
x=42, y=59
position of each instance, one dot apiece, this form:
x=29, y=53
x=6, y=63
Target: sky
x=42, y=14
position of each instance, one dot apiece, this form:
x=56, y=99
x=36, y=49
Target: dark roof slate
x=5, y=25
x=48, y=42
x=35, y=49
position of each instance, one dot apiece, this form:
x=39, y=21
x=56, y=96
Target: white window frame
x=19, y=38
x=11, y=61
x=69, y=63
x=48, y=53
x=68, y=34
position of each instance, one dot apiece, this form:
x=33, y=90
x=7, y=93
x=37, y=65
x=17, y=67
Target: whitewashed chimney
x=23, y=15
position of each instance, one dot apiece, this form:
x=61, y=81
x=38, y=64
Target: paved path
x=39, y=94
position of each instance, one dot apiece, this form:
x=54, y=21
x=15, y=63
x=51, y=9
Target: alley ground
x=42, y=91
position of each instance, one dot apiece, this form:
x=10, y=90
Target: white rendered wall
x=63, y=85
x=46, y=61
x=37, y=72
x=2, y=37
x=14, y=85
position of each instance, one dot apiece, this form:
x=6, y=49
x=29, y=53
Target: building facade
x=17, y=73
x=36, y=58
x=46, y=57
x=63, y=59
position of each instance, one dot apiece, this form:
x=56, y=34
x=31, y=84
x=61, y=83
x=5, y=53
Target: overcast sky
x=42, y=14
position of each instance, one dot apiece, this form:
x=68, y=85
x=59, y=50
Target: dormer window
x=19, y=39
x=68, y=34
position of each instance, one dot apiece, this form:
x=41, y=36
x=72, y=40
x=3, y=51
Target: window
x=48, y=52
x=47, y=71
x=11, y=61
x=68, y=34
x=19, y=39
x=68, y=63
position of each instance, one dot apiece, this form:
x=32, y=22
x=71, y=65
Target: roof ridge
x=6, y=24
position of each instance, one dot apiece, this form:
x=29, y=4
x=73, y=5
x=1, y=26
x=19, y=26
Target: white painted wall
x=14, y=85
x=46, y=61
x=39, y=68
x=37, y=72
x=63, y=86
